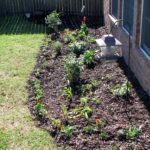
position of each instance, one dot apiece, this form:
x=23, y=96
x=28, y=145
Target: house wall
x=139, y=61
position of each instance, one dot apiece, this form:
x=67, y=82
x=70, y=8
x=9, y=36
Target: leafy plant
x=96, y=100
x=84, y=100
x=68, y=131
x=84, y=28
x=77, y=47
x=57, y=47
x=91, y=40
x=94, y=83
x=82, y=34
x=40, y=109
x=108, y=77
x=56, y=123
x=89, y=129
x=37, y=87
x=89, y=56
x=122, y=90
x=130, y=133
x=104, y=135
x=65, y=111
x=72, y=69
x=68, y=92
x=53, y=20
x=86, y=112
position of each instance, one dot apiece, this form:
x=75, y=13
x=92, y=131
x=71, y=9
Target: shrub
x=78, y=47
x=53, y=20
x=72, y=69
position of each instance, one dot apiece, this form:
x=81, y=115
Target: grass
x=17, y=59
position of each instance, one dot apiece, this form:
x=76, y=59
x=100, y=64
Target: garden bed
x=104, y=126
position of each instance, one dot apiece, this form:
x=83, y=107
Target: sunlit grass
x=17, y=59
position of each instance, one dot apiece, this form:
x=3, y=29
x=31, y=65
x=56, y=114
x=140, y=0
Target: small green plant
x=84, y=28
x=72, y=69
x=89, y=129
x=84, y=100
x=96, y=100
x=68, y=131
x=57, y=46
x=82, y=34
x=86, y=112
x=65, y=111
x=56, y=123
x=108, y=77
x=68, y=93
x=94, y=83
x=104, y=136
x=122, y=90
x=53, y=20
x=38, y=91
x=111, y=147
x=91, y=40
x=40, y=109
x=89, y=57
x=131, y=133
x=77, y=47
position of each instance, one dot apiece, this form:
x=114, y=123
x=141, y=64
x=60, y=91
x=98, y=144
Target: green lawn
x=17, y=59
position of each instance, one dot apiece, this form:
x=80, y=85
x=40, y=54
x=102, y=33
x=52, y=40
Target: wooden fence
x=11, y=7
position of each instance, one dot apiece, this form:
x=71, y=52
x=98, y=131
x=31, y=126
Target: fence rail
x=73, y=7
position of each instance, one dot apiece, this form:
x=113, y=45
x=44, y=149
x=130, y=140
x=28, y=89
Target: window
x=115, y=8
x=128, y=14
x=145, y=40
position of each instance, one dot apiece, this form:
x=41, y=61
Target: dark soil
x=117, y=113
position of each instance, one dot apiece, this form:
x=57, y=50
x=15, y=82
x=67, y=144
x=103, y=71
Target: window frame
x=144, y=49
x=112, y=9
x=124, y=29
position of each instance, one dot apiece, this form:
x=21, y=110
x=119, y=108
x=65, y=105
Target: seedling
x=104, y=136
x=84, y=100
x=94, y=83
x=89, y=129
x=40, y=109
x=65, y=111
x=68, y=131
x=86, y=112
x=56, y=123
x=37, y=87
x=130, y=133
x=122, y=90
x=96, y=100
x=108, y=77
x=68, y=93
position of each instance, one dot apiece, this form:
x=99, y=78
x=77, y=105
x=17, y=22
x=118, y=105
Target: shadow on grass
x=36, y=25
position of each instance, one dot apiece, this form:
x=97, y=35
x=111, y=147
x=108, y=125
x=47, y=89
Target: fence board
x=93, y=7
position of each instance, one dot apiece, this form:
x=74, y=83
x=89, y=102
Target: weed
x=108, y=77
x=86, y=112
x=111, y=147
x=65, y=111
x=94, y=83
x=91, y=40
x=37, y=87
x=56, y=123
